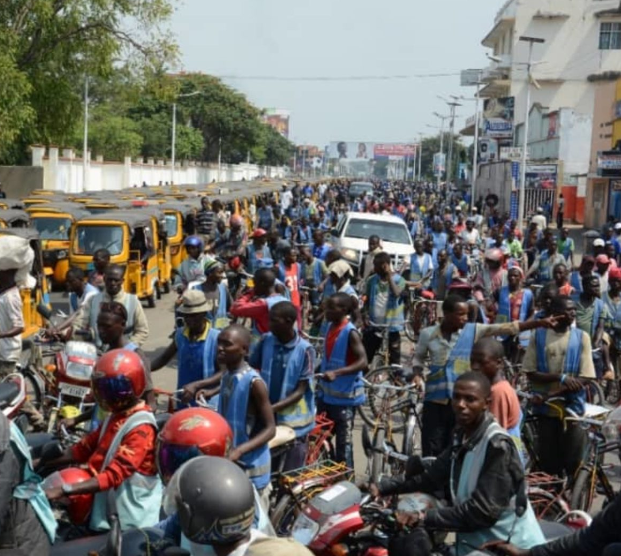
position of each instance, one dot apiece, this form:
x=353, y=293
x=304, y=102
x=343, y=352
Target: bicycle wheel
x=377, y=399
x=34, y=388
x=377, y=459
x=546, y=505
x=287, y=509
x=411, y=436
x=583, y=491
x=594, y=393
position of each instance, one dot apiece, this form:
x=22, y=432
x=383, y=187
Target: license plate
x=73, y=390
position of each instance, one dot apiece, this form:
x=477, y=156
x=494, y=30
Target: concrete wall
x=18, y=181
x=61, y=170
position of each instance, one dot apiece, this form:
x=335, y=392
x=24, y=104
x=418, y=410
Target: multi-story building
x=582, y=45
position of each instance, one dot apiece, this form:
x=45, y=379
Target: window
x=387, y=231
x=610, y=36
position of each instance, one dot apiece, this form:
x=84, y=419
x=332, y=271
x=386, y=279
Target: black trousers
x=373, y=342
x=438, y=423
x=560, y=447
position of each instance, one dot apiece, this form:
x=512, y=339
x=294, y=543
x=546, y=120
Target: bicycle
x=420, y=313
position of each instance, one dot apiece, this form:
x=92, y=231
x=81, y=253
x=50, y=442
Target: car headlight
x=304, y=529
x=62, y=254
x=350, y=255
x=611, y=429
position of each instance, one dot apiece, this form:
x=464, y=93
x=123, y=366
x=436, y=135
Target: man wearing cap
x=257, y=250
x=470, y=236
x=540, y=219
x=195, y=345
x=339, y=278
x=493, y=276
x=217, y=294
x=602, y=265
x=599, y=246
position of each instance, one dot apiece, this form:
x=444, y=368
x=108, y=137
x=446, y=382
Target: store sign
x=498, y=115
x=511, y=153
x=608, y=162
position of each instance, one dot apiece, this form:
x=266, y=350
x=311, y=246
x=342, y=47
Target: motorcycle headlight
x=611, y=429
x=304, y=529
x=350, y=255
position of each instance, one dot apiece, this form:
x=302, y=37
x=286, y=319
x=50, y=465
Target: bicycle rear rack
x=323, y=474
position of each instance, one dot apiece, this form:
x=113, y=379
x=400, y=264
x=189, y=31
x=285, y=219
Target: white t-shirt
x=11, y=316
x=285, y=199
x=470, y=237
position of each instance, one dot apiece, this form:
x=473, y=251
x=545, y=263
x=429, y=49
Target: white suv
x=351, y=238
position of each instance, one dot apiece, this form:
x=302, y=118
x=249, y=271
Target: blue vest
x=448, y=277
x=442, y=378
x=271, y=301
x=266, y=218
x=346, y=390
x=221, y=319
x=523, y=531
x=234, y=397
x=576, y=283
x=139, y=497
x=196, y=360
x=571, y=367
x=254, y=255
x=130, y=302
x=545, y=268
x=439, y=240
x=74, y=300
x=320, y=252
x=300, y=416
x=305, y=236
x=417, y=272
x=598, y=307
x=504, y=310
x=30, y=488
x=461, y=264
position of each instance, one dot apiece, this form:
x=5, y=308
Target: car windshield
x=90, y=238
x=171, y=225
x=53, y=227
x=387, y=231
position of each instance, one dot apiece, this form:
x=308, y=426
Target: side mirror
x=44, y=311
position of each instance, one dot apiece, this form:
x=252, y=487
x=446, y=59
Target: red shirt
x=331, y=337
x=255, y=309
x=291, y=281
x=136, y=451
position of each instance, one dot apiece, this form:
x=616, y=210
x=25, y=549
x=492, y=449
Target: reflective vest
x=30, y=488
x=417, y=271
x=301, y=415
x=139, y=497
x=347, y=390
x=130, y=301
x=441, y=379
x=234, y=397
x=504, y=310
x=271, y=301
x=524, y=531
x=197, y=359
x=255, y=255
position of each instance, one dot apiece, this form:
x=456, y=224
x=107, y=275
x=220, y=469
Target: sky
x=336, y=39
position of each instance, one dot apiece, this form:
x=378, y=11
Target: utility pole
x=173, y=143
x=449, y=162
x=85, y=144
x=475, y=156
x=442, y=119
x=522, y=195
x=420, y=155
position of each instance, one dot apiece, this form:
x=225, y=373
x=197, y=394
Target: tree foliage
x=431, y=145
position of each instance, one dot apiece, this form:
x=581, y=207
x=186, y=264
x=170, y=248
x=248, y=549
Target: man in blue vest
x=257, y=250
x=27, y=523
x=448, y=345
x=560, y=360
x=483, y=471
x=287, y=363
x=195, y=346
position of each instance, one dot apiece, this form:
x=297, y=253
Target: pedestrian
x=560, y=211
x=101, y=260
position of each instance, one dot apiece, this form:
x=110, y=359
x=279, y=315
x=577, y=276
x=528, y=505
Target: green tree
x=54, y=44
x=278, y=149
x=114, y=137
x=431, y=145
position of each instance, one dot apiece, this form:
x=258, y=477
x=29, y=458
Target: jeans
x=438, y=423
x=343, y=417
x=560, y=446
x=373, y=342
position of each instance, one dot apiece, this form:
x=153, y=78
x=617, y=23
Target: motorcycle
x=12, y=395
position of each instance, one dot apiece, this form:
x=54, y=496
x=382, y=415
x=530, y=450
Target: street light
x=453, y=104
x=522, y=195
x=85, y=144
x=174, y=133
x=442, y=118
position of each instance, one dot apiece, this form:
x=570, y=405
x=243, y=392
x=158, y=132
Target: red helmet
x=191, y=432
x=118, y=380
x=79, y=507
x=234, y=263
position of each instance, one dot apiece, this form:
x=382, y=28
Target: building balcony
x=504, y=21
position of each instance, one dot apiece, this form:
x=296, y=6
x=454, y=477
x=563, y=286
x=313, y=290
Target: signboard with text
x=498, y=114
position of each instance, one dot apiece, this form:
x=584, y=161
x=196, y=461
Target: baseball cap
x=259, y=232
x=599, y=242
x=340, y=268
x=602, y=259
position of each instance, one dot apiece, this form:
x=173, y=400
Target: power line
x=343, y=78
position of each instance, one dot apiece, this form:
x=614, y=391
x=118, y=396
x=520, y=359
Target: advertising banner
x=394, y=149
x=498, y=114
x=439, y=163
x=541, y=176
x=279, y=120
x=344, y=150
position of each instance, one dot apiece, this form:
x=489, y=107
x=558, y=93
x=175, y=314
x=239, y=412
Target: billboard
x=279, y=120
x=358, y=150
x=541, y=176
x=498, y=114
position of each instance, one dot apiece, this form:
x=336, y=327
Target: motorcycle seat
x=553, y=530
x=283, y=436
x=8, y=392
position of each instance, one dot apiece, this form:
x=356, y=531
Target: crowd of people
x=245, y=365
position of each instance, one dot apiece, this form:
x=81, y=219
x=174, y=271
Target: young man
x=101, y=260
x=287, y=363
x=245, y=404
x=314, y=272
x=79, y=290
x=460, y=260
x=545, y=262
x=494, y=276
x=561, y=279
x=340, y=388
x=256, y=303
x=217, y=295
x=421, y=266
x=257, y=250
x=384, y=305
x=482, y=467
x=290, y=274
x=566, y=246
x=319, y=247
x=195, y=346
x=448, y=345
x=191, y=268
x=560, y=358
x=443, y=275
x=368, y=267
x=137, y=325
x=265, y=216
x=121, y=452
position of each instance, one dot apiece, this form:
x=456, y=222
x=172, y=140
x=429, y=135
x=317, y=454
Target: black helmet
x=214, y=499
